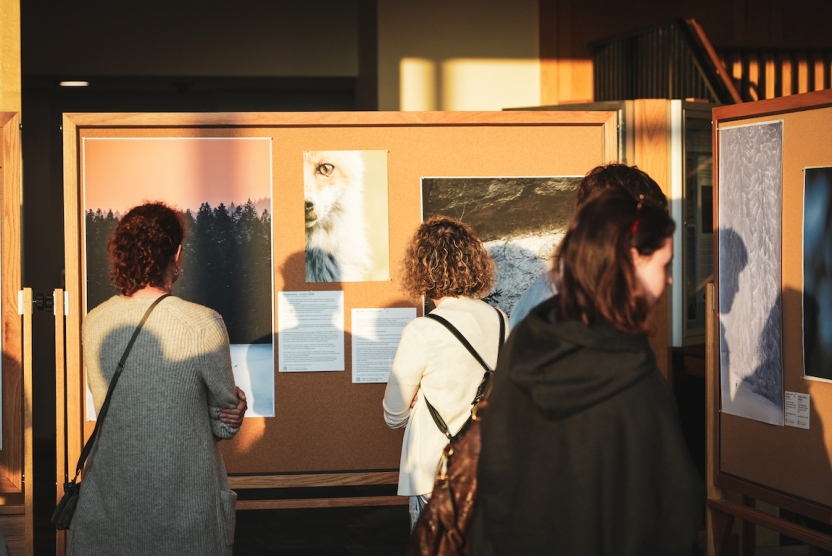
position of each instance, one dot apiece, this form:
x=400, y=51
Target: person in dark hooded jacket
x=582, y=453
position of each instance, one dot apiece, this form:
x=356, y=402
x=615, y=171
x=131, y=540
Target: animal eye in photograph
x=325, y=169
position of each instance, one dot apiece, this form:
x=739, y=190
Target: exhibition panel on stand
x=769, y=347
x=312, y=303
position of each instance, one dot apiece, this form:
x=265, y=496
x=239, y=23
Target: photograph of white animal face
x=345, y=198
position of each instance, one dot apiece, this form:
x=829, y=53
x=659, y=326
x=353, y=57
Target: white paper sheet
x=375, y=339
x=310, y=331
x=797, y=410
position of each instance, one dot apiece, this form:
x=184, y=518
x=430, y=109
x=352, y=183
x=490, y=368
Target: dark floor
x=373, y=531
x=379, y=531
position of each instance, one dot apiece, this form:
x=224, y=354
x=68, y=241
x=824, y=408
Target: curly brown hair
x=629, y=178
x=445, y=258
x=143, y=246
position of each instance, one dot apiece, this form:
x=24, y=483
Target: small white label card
x=375, y=339
x=797, y=410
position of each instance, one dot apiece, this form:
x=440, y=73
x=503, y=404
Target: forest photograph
x=226, y=265
x=222, y=186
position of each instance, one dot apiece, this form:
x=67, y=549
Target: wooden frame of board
x=782, y=466
x=328, y=432
x=16, y=453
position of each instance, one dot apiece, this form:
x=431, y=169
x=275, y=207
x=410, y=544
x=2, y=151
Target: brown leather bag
x=444, y=527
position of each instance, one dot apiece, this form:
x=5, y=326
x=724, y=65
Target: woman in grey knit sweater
x=155, y=482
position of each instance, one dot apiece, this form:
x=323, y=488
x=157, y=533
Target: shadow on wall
x=294, y=404
x=732, y=244
x=766, y=380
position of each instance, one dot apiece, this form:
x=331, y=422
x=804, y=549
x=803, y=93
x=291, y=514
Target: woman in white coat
x=447, y=263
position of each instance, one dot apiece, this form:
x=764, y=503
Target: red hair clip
x=634, y=229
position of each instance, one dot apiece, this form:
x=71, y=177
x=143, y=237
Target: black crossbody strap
x=106, y=405
x=434, y=413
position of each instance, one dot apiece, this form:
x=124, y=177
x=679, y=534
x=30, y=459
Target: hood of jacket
x=567, y=367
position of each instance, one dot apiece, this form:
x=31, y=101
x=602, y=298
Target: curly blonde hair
x=445, y=258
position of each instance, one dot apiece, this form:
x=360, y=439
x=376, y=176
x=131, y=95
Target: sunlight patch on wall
x=418, y=84
x=489, y=84
x=468, y=83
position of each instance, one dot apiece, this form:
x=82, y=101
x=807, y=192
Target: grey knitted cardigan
x=155, y=482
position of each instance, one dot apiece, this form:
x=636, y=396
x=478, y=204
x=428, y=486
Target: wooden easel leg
x=718, y=527
x=748, y=535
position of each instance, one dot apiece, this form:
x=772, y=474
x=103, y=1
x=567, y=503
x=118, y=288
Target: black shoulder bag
x=62, y=516
x=440, y=422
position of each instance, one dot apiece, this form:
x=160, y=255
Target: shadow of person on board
x=733, y=258
x=767, y=378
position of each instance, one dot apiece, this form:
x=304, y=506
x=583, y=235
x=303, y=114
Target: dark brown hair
x=143, y=245
x=629, y=178
x=445, y=258
x=594, y=270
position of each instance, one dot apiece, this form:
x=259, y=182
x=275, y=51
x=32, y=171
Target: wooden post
x=10, y=98
x=60, y=413
x=28, y=467
x=718, y=524
x=652, y=155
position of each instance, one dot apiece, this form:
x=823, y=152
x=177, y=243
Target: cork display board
x=324, y=422
x=785, y=465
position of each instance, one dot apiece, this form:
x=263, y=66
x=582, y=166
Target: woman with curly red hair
x=433, y=373
x=155, y=482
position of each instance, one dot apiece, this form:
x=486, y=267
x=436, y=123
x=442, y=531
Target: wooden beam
x=782, y=526
x=652, y=155
x=314, y=480
x=717, y=524
x=11, y=455
x=565, y=74
x=73, y=121
x=303, y=503
x=28, y=452
x=10, y=98
x=60, y=413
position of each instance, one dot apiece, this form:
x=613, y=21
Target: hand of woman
x=234, y=417
x=415, y=399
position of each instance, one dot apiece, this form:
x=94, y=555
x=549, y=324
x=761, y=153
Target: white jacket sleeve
x=405, y=377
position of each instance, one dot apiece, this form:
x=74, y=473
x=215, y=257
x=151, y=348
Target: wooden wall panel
x=652, y=155
x=568, y=26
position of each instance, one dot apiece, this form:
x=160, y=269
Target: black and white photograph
x=817, y=273
x=521, y=221
x=750, y=320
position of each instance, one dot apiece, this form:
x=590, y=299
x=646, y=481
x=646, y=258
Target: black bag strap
x=434, y=413
x=106, y=405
